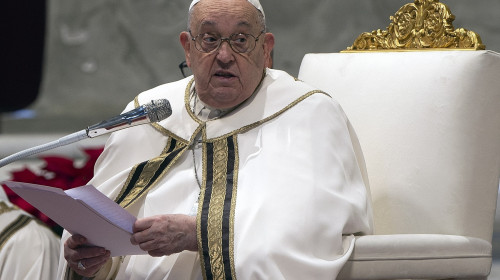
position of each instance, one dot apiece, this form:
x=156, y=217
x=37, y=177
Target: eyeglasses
x=182, y=66
x=239, y=42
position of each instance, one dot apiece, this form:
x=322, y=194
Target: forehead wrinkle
x=211, y=23
x=207, y=13
x=208, y=23
x=244, y=23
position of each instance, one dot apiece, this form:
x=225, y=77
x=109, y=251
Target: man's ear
x=268, y=48
x=185, y=40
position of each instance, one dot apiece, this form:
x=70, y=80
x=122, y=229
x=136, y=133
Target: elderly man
x=256, y=175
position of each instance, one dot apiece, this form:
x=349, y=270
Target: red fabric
x=58, y=172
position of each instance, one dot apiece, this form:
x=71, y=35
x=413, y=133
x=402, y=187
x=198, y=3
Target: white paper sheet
x=86, y=211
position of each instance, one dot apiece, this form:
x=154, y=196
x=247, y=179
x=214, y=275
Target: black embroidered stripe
x=165, y=163
x=135, y=177
x=137, y=174
x=205, y=210
x=226, y=227
x=173, y=143
x=216, y=232
x=13, y=227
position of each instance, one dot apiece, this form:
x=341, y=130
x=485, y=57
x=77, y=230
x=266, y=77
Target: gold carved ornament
x=425, y=24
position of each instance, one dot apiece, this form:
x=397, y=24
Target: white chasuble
x=28, y=248
x=280, y=190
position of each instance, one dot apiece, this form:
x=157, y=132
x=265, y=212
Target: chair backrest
x=429, y=126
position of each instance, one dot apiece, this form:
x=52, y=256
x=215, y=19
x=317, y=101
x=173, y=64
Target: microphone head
x=158, y=110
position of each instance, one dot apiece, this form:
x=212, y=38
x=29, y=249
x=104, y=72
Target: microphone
x=155, y=111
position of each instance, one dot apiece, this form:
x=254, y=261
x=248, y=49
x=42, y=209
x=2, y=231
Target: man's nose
x=225, y=53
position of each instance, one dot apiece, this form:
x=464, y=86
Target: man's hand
x=165, y=235
x=84, y=260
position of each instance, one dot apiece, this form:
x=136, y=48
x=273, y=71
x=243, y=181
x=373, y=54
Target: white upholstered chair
x=429, y=126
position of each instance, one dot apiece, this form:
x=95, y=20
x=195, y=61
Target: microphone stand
x=154, y=112
x=66, y=140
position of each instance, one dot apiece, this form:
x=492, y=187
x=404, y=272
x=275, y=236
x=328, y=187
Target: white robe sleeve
x=31, y=253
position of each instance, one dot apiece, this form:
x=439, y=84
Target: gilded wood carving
x=424, y=24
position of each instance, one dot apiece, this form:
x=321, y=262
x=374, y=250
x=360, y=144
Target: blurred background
x=68, y=64
x=73, y=63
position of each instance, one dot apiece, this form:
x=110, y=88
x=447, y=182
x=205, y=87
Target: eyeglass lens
x=239, y=42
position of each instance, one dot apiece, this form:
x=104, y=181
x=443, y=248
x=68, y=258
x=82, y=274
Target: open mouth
x=224, y=74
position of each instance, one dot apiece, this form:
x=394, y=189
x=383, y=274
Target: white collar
x=203, y=111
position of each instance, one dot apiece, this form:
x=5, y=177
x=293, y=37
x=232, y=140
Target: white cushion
x=426, y=255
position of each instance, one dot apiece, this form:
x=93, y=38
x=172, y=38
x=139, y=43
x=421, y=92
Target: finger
x=82, y=252
x=75, y=241
x=96, y=262
x=89, y=267
x=149, y=245
x=142, y=224
x=141, y=237
x=86, y=252
x=158, y=253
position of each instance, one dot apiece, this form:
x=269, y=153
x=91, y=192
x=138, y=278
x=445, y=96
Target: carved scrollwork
x=425, y=24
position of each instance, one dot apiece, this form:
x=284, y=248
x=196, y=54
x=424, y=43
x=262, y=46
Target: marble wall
x=101, y=53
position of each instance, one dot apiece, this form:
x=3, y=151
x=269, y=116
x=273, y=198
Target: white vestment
x=283, y=170
x=28, y=249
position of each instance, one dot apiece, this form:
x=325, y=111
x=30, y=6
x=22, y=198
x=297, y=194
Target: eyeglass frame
x=183, y=65
x=227, y=39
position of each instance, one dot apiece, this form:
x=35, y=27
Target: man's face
x=225, y=78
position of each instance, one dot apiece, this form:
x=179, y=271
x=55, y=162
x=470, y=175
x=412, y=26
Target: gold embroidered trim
x=4, y=208
x=12, y=228
x=213, y=217
x=233, y=205
x=150, y=169
x=216, y=209
x=201, y=199
x=256, y=124
x=134, y=169
x=423, y=25
x=124, y=187
x=187, y=94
